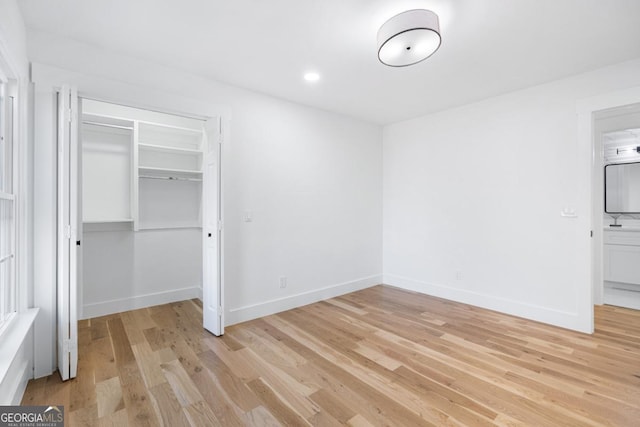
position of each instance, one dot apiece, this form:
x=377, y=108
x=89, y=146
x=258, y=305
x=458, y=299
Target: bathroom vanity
x=622, y=266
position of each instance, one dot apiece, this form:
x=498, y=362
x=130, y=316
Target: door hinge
x=67, y=231
x=220, y=132
x=70, y=115
x=220, y=225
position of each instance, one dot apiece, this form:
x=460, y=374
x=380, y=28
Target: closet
x=141, y=206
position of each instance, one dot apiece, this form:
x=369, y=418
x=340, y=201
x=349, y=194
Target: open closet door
x=212, y=229
x=67, y=263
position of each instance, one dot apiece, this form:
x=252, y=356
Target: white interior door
x=212, y=289
x=68, y=176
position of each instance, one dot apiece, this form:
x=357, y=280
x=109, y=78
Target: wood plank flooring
x=381, y=356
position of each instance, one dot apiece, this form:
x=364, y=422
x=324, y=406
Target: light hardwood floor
x=381, y=356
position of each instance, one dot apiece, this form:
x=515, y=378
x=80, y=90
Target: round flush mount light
x=408, y=38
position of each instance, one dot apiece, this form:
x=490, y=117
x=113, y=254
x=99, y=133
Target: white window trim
x=17, y=334
x=10, y=131
x=13, y=336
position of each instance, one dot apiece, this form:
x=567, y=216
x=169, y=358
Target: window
x=7, y=204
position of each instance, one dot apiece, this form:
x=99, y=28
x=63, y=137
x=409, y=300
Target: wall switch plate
x=568, y=212
x=283, y=282
x=247, y=216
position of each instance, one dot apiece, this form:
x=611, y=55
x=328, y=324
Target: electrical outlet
x=458, y=275
x=283, y=282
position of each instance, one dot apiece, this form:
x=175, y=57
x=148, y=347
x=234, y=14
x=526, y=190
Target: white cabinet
x=622, y=268
x=622, y=256
x=622, y=264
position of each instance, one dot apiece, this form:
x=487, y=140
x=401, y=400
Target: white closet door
x=212, y=229
x=67, y=232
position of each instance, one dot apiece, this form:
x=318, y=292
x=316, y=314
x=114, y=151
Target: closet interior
x=141, y=207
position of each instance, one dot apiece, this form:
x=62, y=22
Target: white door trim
x=585, y=110
x=46, y=79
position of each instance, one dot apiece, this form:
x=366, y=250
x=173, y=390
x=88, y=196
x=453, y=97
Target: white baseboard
x=622, y=297
x=249, y=312
x=564, y=319
x=139, y=301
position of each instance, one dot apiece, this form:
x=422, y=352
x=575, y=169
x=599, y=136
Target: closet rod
x=107, y=125
x=170, y=178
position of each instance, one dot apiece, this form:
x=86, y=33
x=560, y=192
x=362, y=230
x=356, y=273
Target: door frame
x=47, y=80
x=590, y=166
x=615, y=118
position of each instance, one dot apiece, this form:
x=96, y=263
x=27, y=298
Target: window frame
x=9, y=291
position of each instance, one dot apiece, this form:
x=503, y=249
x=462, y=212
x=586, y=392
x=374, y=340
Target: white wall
x=16, y=341
x=473, y=196
x=311, y=179
x=123, y=270
x=13, y=39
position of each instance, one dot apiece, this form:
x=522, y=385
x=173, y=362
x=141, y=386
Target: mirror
x=622, y=188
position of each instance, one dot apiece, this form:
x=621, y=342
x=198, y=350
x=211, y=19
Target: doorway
x=616, y=136
x=141, y=194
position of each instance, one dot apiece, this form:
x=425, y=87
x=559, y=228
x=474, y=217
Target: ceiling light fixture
x=408, y=38
x=312, y=77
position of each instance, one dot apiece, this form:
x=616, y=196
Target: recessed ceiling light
x=408, y=38
x=312, y=77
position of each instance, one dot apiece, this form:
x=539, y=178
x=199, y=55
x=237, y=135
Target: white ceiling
x=489, y=47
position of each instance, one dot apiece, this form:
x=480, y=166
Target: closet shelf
x=104, y=221
x=169, y=226
x=178, y=130
x=151, y=169
x=168, y=149
x=107, y=121
x=170, y=178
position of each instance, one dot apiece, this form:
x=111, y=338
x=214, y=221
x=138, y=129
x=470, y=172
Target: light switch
x=568, y=212
x=248, y=216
